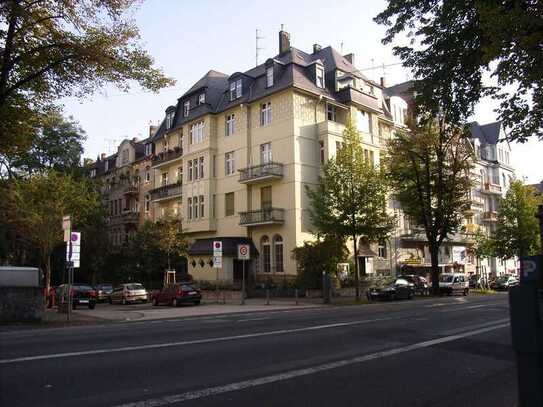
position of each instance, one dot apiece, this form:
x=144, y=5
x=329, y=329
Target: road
x=451, y=351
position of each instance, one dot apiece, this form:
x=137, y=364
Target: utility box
x=20, y=277
x=21, y=294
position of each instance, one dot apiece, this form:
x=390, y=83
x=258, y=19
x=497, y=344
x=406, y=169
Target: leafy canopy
x=452, y=44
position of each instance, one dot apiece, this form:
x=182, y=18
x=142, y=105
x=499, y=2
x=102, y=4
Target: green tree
x=56, y=48
x=36, y=205
x=428, y=167
x=452, y=44
x=171, y=238
x=517, y=232
x=315, y=257
x=350, y=199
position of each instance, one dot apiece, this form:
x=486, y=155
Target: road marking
x=212, y=391
x=252, y=319
x=439, y=304
x=463, y=308
x=190, y=342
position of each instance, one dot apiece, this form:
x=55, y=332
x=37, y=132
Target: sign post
x=244, y=253
x=217, y=262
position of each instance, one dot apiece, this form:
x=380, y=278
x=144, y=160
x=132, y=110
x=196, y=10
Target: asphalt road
x=453, y=351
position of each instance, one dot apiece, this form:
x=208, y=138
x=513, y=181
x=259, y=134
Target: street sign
x=66, y=227
x=217, y=262
x=73, y=255
x=217, y=248
x=244, y=252
x=531, y=267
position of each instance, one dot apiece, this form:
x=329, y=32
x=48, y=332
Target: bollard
x=296, y=296
x=267, y=296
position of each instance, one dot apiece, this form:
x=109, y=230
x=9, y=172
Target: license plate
x=193, y=293
x=84, y=301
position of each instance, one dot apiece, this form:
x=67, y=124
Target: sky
x=188, y=38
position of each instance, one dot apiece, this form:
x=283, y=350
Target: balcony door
x=266, y=197
x=265, y=153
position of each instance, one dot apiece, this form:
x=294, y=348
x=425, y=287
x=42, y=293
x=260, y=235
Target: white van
x=453, y=283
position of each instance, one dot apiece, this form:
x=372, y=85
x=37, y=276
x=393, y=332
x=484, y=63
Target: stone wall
x=21, y=304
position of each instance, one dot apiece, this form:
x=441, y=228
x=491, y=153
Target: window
x=278, y=251
x=197, y=133
x=189, y=208
x=147, y=174
x=382, y=249
x=266, y=254
x=331, y=113
x=147, y=203
x=195, y=207
x=363, y=121
x=180, y=174
x=201, y=172
x=165, y=144
x=265, y=153
x=235, y=89
x=230, y=124
x=229, y=204
x=106, y=168
x=265, y=114
x=372, y=158
x=321, y=151
x=229, y=163
x=164, y=179
x=148, y=149
x=266, y=197
x=201, y=206
x=320, y=76
x=269, y=76
x=125, y=156
x=189, y=168
x=186, y=108
x=202, y=99
x=169, y=119
x=93, y=173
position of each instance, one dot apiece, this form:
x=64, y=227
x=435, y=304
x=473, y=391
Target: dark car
x=103, y=291
x=82, y=294
x=504, y=283
x=475, y=281
x=400, y=289
x=420, y=283
x=176, y=294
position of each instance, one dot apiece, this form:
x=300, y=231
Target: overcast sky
x=189, y=38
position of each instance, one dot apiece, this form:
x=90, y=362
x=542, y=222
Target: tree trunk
x=356, y=275
x=434, y=258
x=47, y=274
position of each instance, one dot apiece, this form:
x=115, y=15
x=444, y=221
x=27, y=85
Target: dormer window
x=269, y=76
x=235, y=89
x=169, y=119
x=186, y=108
x=201, y=99
x=148, y=149
x=319, y=73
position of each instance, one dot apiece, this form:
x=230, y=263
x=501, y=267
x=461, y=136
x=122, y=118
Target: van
x=453, y=283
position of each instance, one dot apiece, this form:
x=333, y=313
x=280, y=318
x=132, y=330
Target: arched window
x=278, y=252
x=266, y=254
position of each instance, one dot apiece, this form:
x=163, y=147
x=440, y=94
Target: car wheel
x=174, y=302
x=155, y=302
x=123, y=301
x=92, y=305
x=197, y=302
x=466, y=290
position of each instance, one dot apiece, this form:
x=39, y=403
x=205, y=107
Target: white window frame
x=201, y=98
x=195, y=207
x=331, y=112
x=239, y=89
x=229, y=164
x=186, y=108
x=202, y=206
x=148, y=149
x=189, y=208
x=230, y=127
x=169, y=119
x=269, y=76
x=147, y=203
x=189, y=170
x=201, y=167
x=265, y=114
x=266, y=156
x=319, y=76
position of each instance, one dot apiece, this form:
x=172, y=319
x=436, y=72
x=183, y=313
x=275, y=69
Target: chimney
x=350, y=58
x=383, y=82
x=134, y=139
x=316, y=48
x=284, y=41
x=103, y=156
x=152, y=130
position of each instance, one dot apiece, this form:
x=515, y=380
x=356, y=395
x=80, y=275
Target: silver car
x=128, y=293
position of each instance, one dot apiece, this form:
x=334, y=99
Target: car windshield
x=401, y=281
x=134, y=287
x=446, y=278
x=187, y=288
x=82, y=288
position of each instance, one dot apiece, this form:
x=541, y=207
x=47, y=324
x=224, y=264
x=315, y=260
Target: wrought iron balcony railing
x=262, y=217
x=261, y=172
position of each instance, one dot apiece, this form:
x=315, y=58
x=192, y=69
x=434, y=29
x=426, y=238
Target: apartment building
x=234, y=155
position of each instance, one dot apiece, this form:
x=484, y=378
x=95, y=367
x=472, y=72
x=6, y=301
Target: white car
x=453, y=283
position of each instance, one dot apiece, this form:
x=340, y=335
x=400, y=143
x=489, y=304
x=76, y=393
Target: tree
x=350, y=199
x=313, y=258
x=452, y=43
x=36, y=205
x=428, y=167
x=57, y=144
x=517, y=232
x=55, y=48
x=170, y=237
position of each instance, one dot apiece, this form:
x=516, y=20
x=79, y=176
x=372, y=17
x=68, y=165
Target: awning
x=204, y=247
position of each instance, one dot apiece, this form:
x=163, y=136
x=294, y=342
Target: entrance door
x=238, y=270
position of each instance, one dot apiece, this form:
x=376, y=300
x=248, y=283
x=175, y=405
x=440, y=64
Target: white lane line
x=252, y=319
x=189, y=342
x=463, y=308
x=212, y=391
x=477, y=306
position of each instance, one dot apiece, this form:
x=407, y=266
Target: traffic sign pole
x=243, y=283
x=243, y=255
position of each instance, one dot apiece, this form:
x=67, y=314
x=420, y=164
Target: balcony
x=490, y=216
x=167, y=191
x=131, y=189
x=474, y=205
x=470, y=228
x=490, y=188
x=262, y=172
x=268, y=216
x=166, y=156
x=331, y=127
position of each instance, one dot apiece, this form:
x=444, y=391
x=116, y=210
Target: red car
x=177, y=294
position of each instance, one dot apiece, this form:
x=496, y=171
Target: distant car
x=420, y=283
x=103, y=291
x=129, y=293
x=82, y=294
x=504, y=283
x=400, y=289
x=453, y=283
x=177, y=294
x=475, y=281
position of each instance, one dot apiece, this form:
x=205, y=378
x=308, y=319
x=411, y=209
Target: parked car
x=400, y=289
x=453, y=283
x=504, y=283
x=176, y=294
x=475, y=281
x=82, y=294
x=420, y=283
x=129, y=293
x=103, y=291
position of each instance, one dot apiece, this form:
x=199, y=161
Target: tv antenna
x=257, y=45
